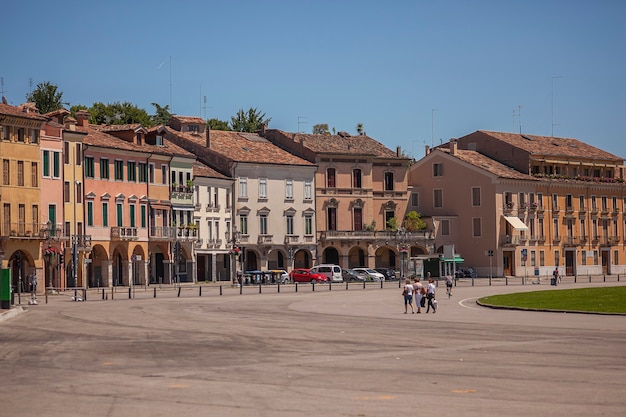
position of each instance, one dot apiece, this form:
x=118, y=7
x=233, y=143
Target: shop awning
x=456, y=259
x=516, y=222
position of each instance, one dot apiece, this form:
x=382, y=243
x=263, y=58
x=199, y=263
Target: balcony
x=292, y=239
x=182, y=193
x=83, y=242
x=162, y=233
x=33, y=231
x=514, y=240
x=123, y=233
x=508, y=208
x=198, y=243
x=608, y=240
x=569, y=210
x=265, y=239
x=571, y=241
x=374, y=235
x=187, y=233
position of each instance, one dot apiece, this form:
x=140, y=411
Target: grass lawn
x=598, y=300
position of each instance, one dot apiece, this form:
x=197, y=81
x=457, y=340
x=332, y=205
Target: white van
x=333, y=272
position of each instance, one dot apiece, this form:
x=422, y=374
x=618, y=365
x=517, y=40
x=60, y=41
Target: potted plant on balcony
x=193, y=227
x=189, y=185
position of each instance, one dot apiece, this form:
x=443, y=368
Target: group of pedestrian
x=424, y=296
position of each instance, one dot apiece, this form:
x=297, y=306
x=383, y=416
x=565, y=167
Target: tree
x=162, y=115
x=251, y=121
x=359, y=129
x=413, y=221
x=118, y=114
x=321, y=129
x=46, y=97
x=217, y=124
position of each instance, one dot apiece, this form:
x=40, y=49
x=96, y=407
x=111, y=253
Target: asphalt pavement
x=308, y=353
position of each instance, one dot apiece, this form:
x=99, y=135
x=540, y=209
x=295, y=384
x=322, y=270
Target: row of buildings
x=89, y=205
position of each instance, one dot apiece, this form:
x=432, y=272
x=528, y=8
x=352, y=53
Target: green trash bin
x=5, y=289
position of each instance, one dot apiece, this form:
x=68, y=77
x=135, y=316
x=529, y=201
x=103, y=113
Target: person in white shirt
x=408, y=296
x=430, y=296
x=417, y=291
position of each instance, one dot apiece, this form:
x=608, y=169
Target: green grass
x=597, y=300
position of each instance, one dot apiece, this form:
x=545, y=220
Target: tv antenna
x=432, y=128
x=301, y=122
x=552, y=104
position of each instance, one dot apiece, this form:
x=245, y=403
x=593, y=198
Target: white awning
x=516, y=223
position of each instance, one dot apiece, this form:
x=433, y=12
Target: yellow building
x=21, y=232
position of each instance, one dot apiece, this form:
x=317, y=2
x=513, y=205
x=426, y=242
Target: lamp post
x=234, y=252
x=401, y=244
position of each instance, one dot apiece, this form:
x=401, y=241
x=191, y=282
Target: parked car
x=349, y=275
x=278, y=276
x=332, y=272
x=389, y=273
x=305, y=275
x=369, y=274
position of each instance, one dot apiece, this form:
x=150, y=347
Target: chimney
x=453, y=146
x=70, y=123
x=208, y=137
x=82, y=118
x=426, y=150
x=398, y=151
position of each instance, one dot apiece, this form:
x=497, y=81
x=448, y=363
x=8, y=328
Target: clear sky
x=415, y=73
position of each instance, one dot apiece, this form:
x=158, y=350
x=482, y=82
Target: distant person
x=417, y=292
x=408, y=296
x=32, y=281
x=449, y=284
x=430, y=296
x=556, y=276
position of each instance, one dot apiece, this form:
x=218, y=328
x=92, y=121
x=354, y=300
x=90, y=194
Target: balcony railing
x=22, y=230
x=373, y=235
x=608, y=240
x=83, y=242
x=571, y=241
x=123, y=233
x=509, y=240
x=187, y=233
x=265, y=239
x=162, y=232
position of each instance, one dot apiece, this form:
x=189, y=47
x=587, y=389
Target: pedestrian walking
x=417, y=292
x=408, y=296
x=449, y=285
x=430, y=296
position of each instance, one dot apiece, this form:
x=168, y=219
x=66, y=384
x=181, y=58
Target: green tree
x=321, y=129
x=413, y=221
x=162, y=114
x=118, y=114
x=46, y=97
x=249, y=121
x=217, y=124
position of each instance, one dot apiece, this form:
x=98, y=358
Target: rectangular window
x=79, y=192
x=132, y=171
x=533, y=258
x=104, y=168
x=569, y=202
x=35, y=215
x=445, y=227
x=289, y=189
x=262, y=187
x=20, y=134
x=56, y=170
x=6, y=172
x=308, y=225
x=120, y=212
x=290, y=225
x=389, y=181
x=105, y=214
x=263, y=224
x=243, y=224
x=330, y=177
x=437, y=170
x=89, y=167
x=34, y=136
x=66, y=153
x=438, y=198
x=34, y=174
x=20, y=173
x=477, y=227
x=216, y=200
x=89, y=213
x=307, y=190
x=6, y=132
x=143, y=215
x=356, y=178
x=164, y=174
x=151, y=173
x=331, y=218
x=132, y=215
x=243, y=188
x=66, y=192
x=79, y=154
x=46, y=163
x=52, y=213
x=143, y=172
x=119, y=170
x=415, y=200
x=475, y=196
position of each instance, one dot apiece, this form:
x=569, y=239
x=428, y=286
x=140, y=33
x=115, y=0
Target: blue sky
x=415, y=73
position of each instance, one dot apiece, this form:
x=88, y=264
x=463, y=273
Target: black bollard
x=129, y=293
x=154, y=292
x=179, y=288
x=200, y=291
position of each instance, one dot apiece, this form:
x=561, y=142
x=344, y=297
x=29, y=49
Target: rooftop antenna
x=552, y=104
x=159, y=67
x=519, y=112
x=30, y=85
x=204, y=107
x=2, y=87
x=301, y=122
x=432, y=127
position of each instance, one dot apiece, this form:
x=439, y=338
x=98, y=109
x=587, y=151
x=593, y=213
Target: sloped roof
x=188, y=119
x=202, y=170
x=23, y=111
x=243, y=147
x=118, y=128
x=341, y=144
x=96, y=137
x=487, y=164
x=549, y=146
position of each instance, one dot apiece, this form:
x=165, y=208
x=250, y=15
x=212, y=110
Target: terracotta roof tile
x=550, y=146
x=242, y=147
x=490, y=165
x=202, y=170
x=20, y=111
x=188, y=119
x=340, y=144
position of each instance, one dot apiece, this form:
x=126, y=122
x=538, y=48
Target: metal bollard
x=346, y=285
x=330, y=286
x=103, y=293
x=296, y=287
x=154, y=292
x=200, y=291
x=363, y=284
x=259, y=288
x=130, y=295
x=179, y=288
x=313, y=286
x=381, y=284
x=84, y=294
x=279, y=287
x=220, y=290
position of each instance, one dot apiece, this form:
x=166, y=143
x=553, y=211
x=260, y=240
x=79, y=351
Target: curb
x=5, y=315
